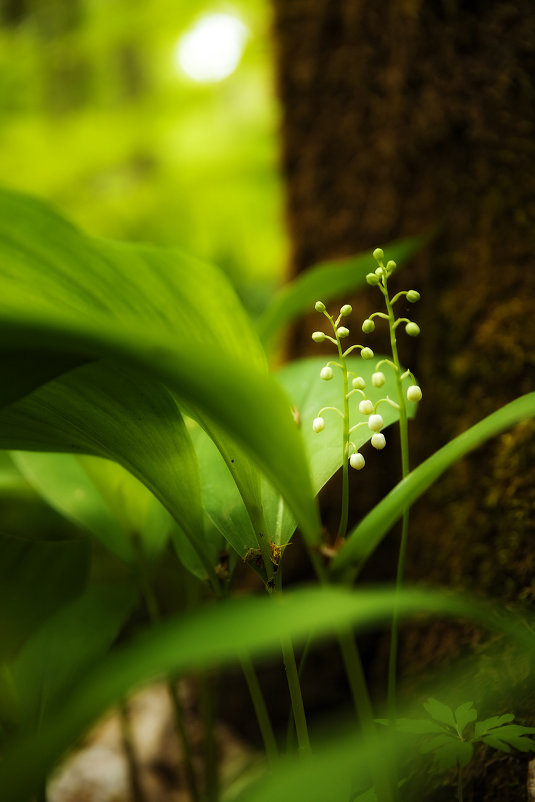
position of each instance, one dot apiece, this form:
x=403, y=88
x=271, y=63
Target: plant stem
x=460, y=784
x=136, y=788
x=210, y=742
x=153, y=610
x=292, y=674
x=259, y=704
x=344, y=511
x=404, y=443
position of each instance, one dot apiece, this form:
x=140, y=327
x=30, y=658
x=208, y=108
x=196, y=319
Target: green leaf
x=327, y=282
x=365, y=538
x=440, y=712
x=511, y=735
x=438, y=742
x=37, y=577
x=217, y=634
x=465, y=714
x=454, y=753
x=482, y=727
x=69, y=641
x=170, y=318
x=309, y=393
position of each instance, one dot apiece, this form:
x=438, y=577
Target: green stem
x=153, y=610
x=460, y=784
x=211, y=767
x=344, y=512
x=136, y=788
x=259, y=704
x=404, y=443
x=294, y=686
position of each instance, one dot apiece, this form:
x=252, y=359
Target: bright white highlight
x=212, y=49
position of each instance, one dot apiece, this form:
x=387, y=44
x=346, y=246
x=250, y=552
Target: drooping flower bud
x=413, y=296
x=342, y=332
x=391, y=266
x=378, y=379
x=318, y=425
x=367, y=353
x=326, y=373
x=368, y=326
x=366, y=407
x=414, y=393
x=378, y=254
x=356, y=461
x=346, y=310
x=412, y=329
x=319, y=306
x=358, y=383
x=376, y=423
x=318, y=336
x=378, y=441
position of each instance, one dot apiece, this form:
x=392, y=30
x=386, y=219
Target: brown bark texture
x=401, y=117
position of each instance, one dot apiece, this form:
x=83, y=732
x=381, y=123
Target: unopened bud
x=378, y=441
x=413, y=296
x=372, y=279
x=391, y=266
x=326, y=373
x=342, y=331
x=359, y=383
x=368, y=326
x=376, y=423
x=414, y=393
x=367, y=353
x=318, y=425
x=357, y=461
x=412, y=329
x=318, y=336
x=346, y=310
x=319, y=306
x=378, y=254
x=378, y=379
x=366, y=407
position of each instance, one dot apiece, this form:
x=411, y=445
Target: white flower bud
x=372, y=279
x=326, y=373
x=391, y=266
x=414, y=393
x=378, y=379
x=346, y=310
x=367, y=353
x=318, y=425
x=319, y=306
x=368, y=326
x=376, y=423
x=357, y=461
x=358, y=383
x=413, y=296
x=318, y=336
x=412, y=329
x=366, y=407
x=342, y=331
x=378, y=254
x=378, y=441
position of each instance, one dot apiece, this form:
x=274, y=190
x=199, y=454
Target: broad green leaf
x=511, y=735
x=440, y=712
x=364, y=539
x=219, y=634
x=36, y=578
x=454, y=753
x=309, y=393
x=96, y=409
x=439, y=741
x=69, y=641
x=465, y=714
x=102, y=497
x=482, y=727
x=327, y=282
x=72, y=298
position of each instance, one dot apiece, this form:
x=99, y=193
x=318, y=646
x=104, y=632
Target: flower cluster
x=367, y=407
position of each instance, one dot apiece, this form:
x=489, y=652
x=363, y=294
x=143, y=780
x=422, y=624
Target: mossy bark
x=400, y=117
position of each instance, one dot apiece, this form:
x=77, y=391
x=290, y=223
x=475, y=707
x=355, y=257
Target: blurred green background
x=97, y=116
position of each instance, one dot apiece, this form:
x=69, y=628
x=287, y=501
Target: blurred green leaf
x=482, y=727
x=415, y=726
x=167, y=316
x=36, y=578
x=465, y=714
x=69, y=641
x=510, y=735
x=363, y=540
x=327, y=282
x=218, y=634
x=440, y=712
